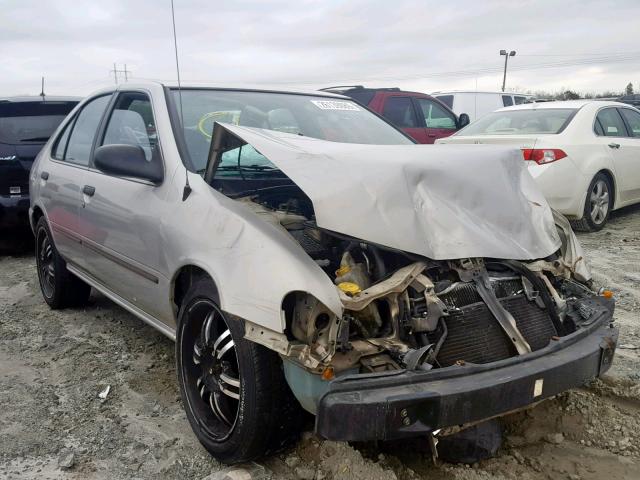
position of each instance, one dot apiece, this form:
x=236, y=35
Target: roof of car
x=210, y=86
x=452, y=92
x=561, y=104
x=350, y=88
x=39, y=98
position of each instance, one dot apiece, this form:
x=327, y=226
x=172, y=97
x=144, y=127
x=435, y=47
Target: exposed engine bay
x=404, y=311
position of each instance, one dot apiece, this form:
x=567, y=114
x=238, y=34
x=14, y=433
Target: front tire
x=233, y=390
x=60, y=288
x=597, y=205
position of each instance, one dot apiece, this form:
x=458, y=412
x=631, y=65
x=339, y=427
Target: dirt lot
x=53, y=425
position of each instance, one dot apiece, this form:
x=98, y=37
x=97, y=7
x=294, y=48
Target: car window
x=31, y=122
x=399, y=111
x=611, y=123
x=446, y=99
x=131, y=123
x=362, y=96
x=84, y=131
x=507, y=100
x=517, y=122
x=60, y=146
x=633, y=120
x=435, y=116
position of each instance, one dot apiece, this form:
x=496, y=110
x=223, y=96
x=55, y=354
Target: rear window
x=361, y=96
x=31, y=122
x=519, y=122
x=446, y=99
x=507, y=101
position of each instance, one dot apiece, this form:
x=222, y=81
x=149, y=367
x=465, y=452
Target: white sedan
x=584, y=154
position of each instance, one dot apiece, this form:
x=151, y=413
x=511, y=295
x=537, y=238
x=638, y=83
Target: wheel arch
x=36, y=214
x=185, y=276
x=612, y=180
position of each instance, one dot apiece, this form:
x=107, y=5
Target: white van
x=478, y=104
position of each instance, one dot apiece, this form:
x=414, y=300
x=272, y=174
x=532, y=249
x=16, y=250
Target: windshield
x=325, y=118
x=24, y=122
x=519, y=122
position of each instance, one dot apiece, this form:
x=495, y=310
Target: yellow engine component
x=349, y=288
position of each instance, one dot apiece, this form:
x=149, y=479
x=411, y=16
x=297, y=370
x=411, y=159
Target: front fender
x=253, y=263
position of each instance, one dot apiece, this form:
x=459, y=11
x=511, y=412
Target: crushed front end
x=426, y=344
x=428, y=319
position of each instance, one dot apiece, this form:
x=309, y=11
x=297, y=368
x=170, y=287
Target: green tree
x=629, y=89
x=570, y=95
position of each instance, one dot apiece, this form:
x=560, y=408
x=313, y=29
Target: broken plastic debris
x=248, y=471
x=103, y=394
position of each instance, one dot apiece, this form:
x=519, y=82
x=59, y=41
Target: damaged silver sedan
x=306, y=255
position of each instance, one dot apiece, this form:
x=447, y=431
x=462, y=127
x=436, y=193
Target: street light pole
x=512, y=53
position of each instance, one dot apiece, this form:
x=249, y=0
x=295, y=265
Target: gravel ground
x=54, y=425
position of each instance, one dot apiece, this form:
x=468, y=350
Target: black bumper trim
x=416, y=403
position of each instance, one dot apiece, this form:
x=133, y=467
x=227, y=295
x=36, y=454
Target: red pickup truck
x=417, y=114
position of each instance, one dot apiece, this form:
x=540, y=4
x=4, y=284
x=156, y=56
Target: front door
x=400, y=111
x=121, y=215
x=624, y=150
x=438, y=121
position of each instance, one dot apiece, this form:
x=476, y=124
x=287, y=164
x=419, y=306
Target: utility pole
x=42, y=90
x=116, y=72
x=512, y=53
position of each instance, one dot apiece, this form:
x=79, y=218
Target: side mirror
x=127, y=161
x=463, y=120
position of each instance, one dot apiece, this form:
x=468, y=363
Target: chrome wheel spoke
x=215, y=403
x=197, y=355
x=229, y=386
x=215, y=372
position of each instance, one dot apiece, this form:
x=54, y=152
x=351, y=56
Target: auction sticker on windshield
x=334, y=105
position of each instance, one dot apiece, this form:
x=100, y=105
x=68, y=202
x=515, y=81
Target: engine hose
x=381, y=270
x=539, y=285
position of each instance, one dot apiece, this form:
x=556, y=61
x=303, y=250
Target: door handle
x=431, y=134
x=88, y=190
x=614, y=145
x=44, y=175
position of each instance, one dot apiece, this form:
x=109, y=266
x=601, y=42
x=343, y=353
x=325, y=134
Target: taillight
x=543, y=155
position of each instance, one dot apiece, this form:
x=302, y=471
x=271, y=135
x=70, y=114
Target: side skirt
x=142, y=315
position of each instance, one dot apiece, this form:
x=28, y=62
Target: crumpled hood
x=439, y=201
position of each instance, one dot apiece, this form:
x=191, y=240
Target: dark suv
x=419, y=115
x=26, y=123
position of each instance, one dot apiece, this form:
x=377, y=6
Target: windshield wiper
x=251, y=168
x=35, y=139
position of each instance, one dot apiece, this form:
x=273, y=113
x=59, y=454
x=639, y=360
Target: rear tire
x=234, y=391
x=597, y=205
x=60, y=288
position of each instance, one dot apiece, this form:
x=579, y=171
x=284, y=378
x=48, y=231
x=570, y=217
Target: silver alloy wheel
x=46, y=265
x=219, y=380
x=599, y=201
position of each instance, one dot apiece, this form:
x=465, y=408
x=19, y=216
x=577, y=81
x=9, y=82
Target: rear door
x=613, y=135
x=400, y=110
x=119, y=217
x=61, y=177
x=438, y=121
x=631, y=145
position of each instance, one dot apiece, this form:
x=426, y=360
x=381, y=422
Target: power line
x=115, y=72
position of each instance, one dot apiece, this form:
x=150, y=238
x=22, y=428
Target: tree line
x=568, y=94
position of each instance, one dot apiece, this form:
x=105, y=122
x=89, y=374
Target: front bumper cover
x=410, y=403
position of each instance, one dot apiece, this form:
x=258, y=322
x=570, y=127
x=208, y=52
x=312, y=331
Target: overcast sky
x=420, y=45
